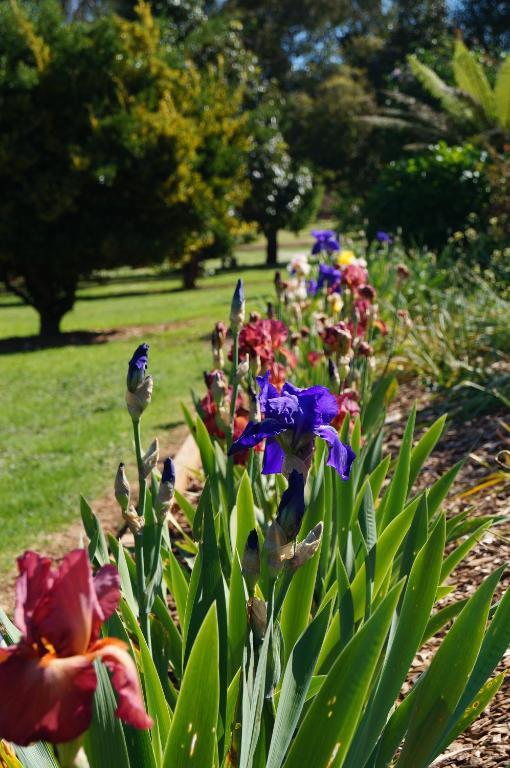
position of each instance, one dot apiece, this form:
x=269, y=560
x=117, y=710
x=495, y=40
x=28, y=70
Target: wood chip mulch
x=486, y=744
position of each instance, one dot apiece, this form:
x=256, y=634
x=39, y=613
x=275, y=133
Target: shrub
x=430, y=196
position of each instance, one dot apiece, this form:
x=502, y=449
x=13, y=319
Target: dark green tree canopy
x=106, y=153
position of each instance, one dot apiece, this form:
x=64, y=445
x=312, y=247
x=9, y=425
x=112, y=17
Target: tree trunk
x=272, y=248
x=49, y=320
x=190, y=274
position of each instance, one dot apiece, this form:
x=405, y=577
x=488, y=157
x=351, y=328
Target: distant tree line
x=136, y=133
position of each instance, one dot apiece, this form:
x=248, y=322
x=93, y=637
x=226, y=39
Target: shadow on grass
x=70, y=338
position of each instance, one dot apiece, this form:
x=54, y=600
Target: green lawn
x=63, y=422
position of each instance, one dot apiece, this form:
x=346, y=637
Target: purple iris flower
x=383, y=237
x=325, y=240
x=137, y=367
x=312, y=287
x=292, y=421
x=328, y=275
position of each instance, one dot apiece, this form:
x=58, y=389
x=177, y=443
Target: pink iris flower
x=48, y=679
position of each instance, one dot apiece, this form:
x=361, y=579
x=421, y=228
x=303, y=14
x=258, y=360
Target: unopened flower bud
x=254, y=414
x=255, y=364
x=307, y=548
x=218, y=358
x=365, y=349
x=122, y=489
x=367, y=292
x=218, y=386
x=279, y=284
x=251, y=561
x=334, y=376
x=237, y=308
x=137, y=367
x=402, y=271
x=219, y=335
x=255, y=317
x=257, y=618
x=242, y=370
x=277, y=548
x=133, y=520
x=165, y=491
x=294, y=340
x=151, y=457
x=292, y=506
x=138, y=401
x=270, y=310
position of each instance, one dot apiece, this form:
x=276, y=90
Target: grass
x=63, y=420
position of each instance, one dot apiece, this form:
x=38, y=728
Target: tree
x=321, y=124
x=283, y=33
x=471, y=108
x=283, y=194
x=111, y=154
x=485, y=22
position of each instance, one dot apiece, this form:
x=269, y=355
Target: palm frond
x=453, y=104
x=502, y=94
x=471, y=78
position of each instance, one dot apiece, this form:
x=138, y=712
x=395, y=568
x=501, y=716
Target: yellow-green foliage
x=475, y=100
x=115, y=149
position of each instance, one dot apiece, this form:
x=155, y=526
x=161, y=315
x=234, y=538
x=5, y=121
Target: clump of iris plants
x=275, y=621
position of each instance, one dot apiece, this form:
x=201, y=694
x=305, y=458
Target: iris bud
x=367, y=292
x=219, y=387
x=242, y=370
x=365, y=349
x=251, y=561
x=133, y=520
x=218, y=337
x=255, y=364
x=254, y=413
x=307, y=548
x=237, y=308
x=165, y=491
x=257, y=618
x=121, y=487
x=402, y=271
x=292, y=506
x=137, y=367
x=150, y=459
x=277, y=548
x=334, y=376
x=138, y=401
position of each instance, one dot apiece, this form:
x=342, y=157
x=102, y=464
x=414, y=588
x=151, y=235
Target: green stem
x=234, y=385
x=140, y=582
x=140, y=563
x=142, y=483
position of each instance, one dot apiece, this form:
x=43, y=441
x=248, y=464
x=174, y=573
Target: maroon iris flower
x=48, y=679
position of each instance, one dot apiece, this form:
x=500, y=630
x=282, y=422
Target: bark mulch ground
x=486, y=744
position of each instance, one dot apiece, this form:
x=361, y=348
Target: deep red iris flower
x=48, y=679
x=348, y=405
x=314, y=357
x=261, y=338
x=354, y=275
